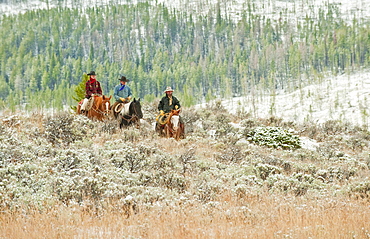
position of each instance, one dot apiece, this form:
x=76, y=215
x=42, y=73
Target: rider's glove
x=122, y=99
x=176, y=107
x=128, y=98
x=161, y=112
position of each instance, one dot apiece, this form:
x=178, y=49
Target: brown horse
x=100, y=109
x=171, y=127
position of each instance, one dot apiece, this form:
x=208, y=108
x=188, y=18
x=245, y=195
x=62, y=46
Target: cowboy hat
x=92, y=73
x=123, y=78
x=168, y=89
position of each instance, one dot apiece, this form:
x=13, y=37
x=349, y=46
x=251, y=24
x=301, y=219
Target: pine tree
x=80, y=90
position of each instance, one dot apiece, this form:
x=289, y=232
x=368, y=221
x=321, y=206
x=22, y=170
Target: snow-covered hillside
x=344, y=98
x=270, y=8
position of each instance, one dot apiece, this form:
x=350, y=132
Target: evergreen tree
x=80, y=90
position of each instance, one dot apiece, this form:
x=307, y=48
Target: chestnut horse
x=100, y=109
x=171, y=127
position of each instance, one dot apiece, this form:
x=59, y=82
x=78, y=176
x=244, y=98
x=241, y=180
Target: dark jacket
x=164, y=104
x=92, y=87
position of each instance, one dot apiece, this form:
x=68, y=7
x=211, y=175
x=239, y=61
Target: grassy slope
x=80, y=175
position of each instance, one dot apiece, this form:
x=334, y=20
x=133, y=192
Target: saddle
x=90, y=103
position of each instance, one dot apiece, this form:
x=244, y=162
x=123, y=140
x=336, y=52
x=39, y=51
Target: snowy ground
x=274, y=9
x=345, y=98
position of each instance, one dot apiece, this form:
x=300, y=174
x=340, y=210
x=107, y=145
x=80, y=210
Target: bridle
x=171, y=129
x=133, y=117
x=107, y=110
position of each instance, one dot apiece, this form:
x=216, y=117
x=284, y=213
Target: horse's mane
x=98, y=101
x=175, y=112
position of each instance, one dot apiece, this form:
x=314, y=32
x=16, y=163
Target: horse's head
x=135, y=108
x=175, y=119
x=105, y=104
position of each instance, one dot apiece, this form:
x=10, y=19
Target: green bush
x=273, y=137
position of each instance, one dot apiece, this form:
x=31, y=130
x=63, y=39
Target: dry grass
x=338, y=208
x=250, y=217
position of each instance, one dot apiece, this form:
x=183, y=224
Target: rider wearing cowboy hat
x=122, y=92
x=92, y=87
x=168, y=102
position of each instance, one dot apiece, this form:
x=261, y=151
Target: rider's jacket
x=165, y=105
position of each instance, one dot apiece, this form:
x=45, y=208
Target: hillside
x=342, y=98
x=230, y=169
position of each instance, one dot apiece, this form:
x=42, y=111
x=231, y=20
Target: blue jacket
x=126, y=92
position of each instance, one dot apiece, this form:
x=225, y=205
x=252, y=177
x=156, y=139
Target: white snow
x=344, y=98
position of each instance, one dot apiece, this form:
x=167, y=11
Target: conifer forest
x=44, y=53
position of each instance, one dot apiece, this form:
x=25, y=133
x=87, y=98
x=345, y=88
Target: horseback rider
x=165, y=107
x=168, y=102
x=122, y=92
x=92, y=87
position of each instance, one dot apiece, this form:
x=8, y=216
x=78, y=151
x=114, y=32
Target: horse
x=130, y=114
x=99, y=110
x=171, y=125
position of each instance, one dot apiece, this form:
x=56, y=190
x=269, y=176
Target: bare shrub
x=110, y=126
x=187, y=159
x=265, y=170
x=130, y=159
x=12, y=121
x=130, y=134
x=357, y=143
x=62, y=129
x=331, y=127
x=190, y=117
x=361, y=189
x=286, y=165
x=231, y=154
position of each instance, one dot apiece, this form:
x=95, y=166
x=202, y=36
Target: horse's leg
x=167, y=132
x=177, y=134
x=121, y=123
x=182, y=131
x=124, y=122
x=137, y=122
x=158, y=129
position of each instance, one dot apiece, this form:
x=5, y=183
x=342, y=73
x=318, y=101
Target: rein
x=97, y=110
x=133, y=116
